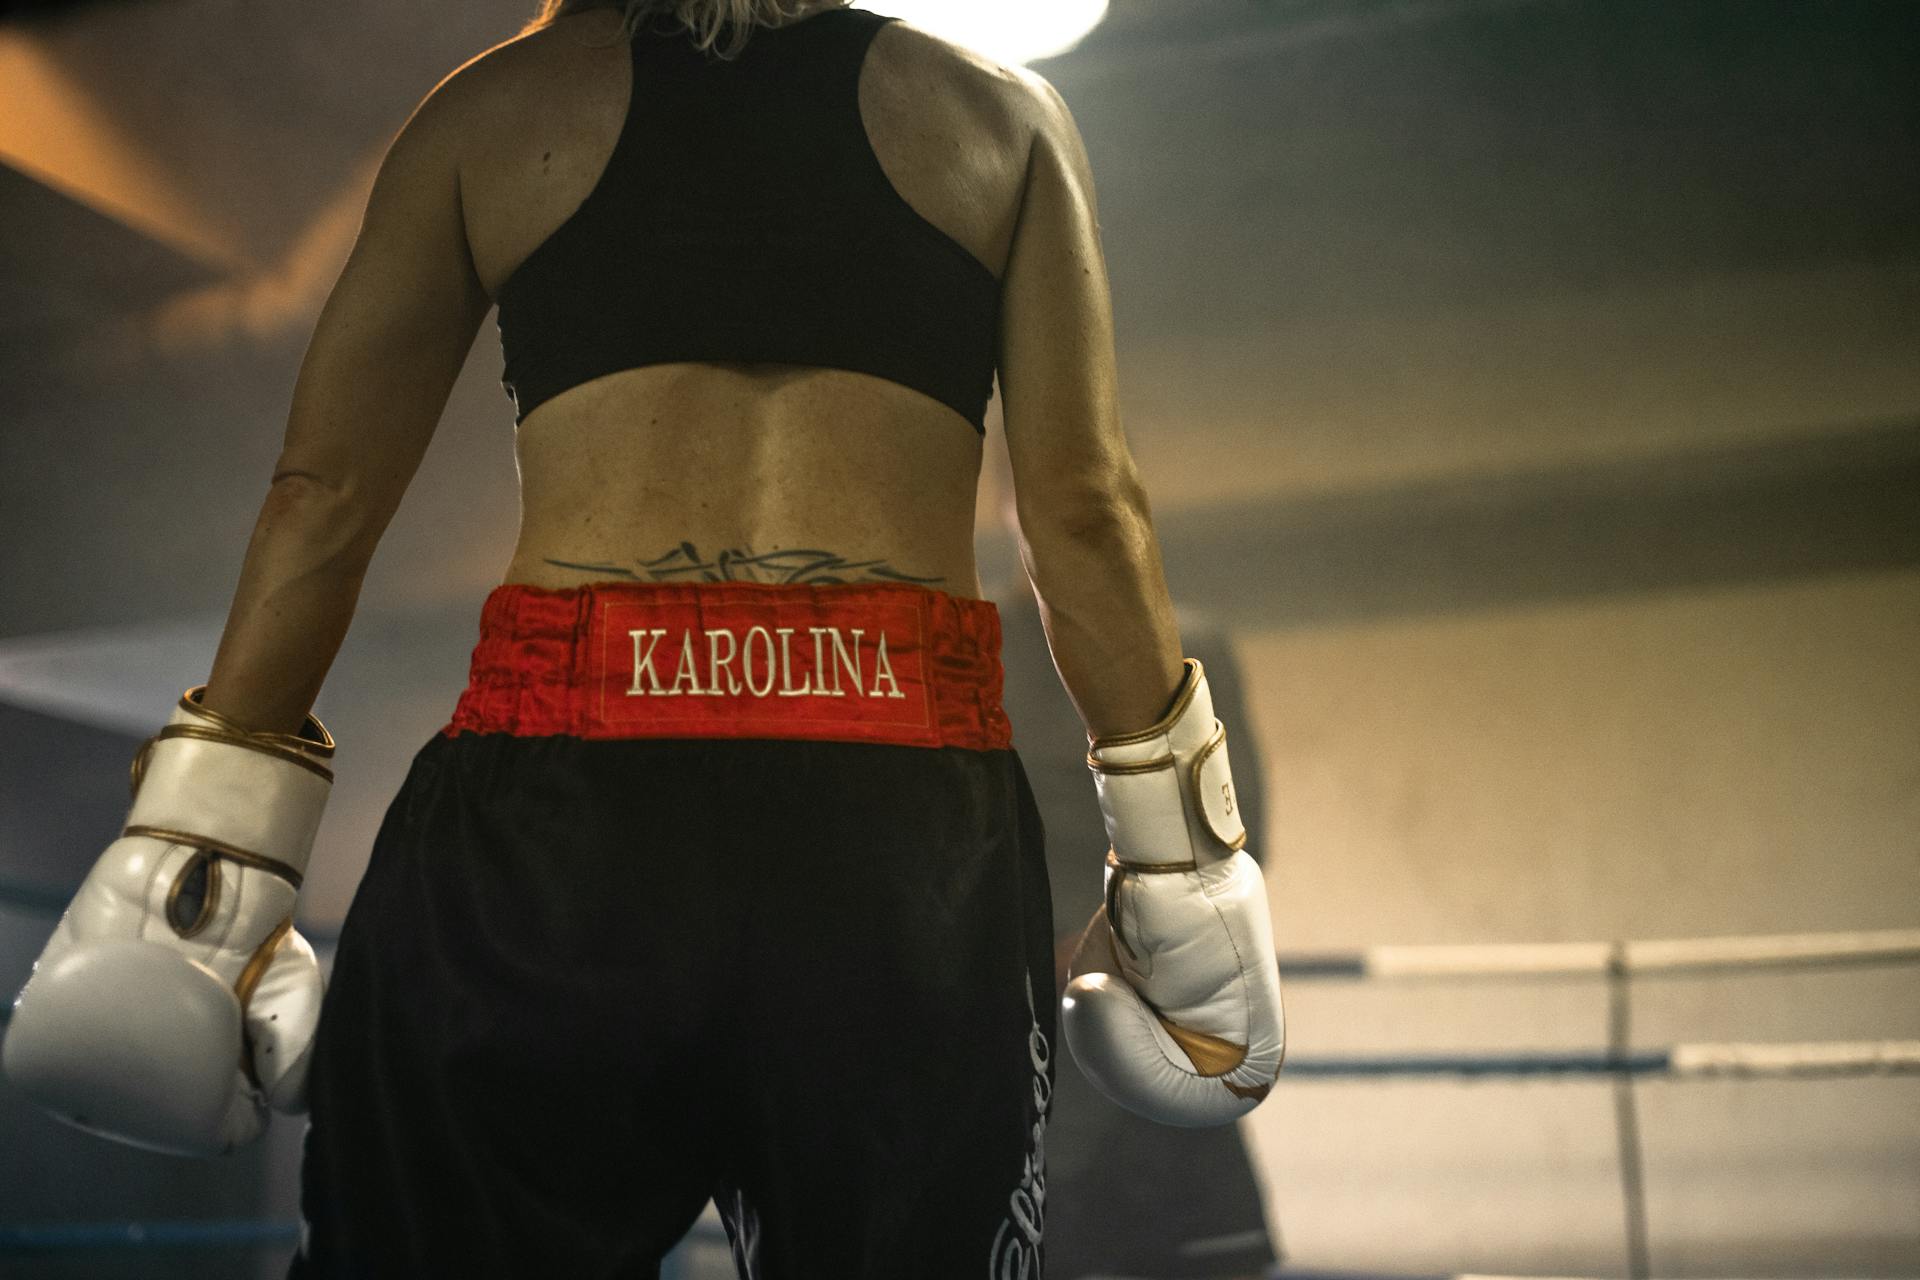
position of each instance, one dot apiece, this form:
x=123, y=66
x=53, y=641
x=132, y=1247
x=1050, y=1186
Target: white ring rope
x=1604, y=959
x=1795, y=1061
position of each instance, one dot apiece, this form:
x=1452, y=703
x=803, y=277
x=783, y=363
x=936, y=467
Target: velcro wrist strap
x=1166, y=792
x=231, y=791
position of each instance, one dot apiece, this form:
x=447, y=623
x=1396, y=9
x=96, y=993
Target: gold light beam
x=53, y=130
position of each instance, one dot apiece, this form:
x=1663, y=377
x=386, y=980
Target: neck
x=808, y=10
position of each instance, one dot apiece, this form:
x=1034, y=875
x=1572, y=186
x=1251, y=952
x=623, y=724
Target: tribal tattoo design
x=795, y=564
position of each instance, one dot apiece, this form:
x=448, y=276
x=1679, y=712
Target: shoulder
x=538, y=50
x=1021, y=106
x=1005, y=100
x=928, y=52
x=501, y=85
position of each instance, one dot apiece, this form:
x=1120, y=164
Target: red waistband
x=879, y=662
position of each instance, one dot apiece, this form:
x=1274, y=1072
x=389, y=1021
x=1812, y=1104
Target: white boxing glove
x=1173, y=1010
x=174, y=1002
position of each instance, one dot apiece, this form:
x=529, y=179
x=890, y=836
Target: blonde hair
x=706, y=20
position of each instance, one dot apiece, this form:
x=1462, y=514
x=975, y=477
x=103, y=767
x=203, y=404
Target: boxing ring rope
x=1603, y=959
x=1618, y=963
x=61, y=1237
x=1815, y=1060
x=33, y=900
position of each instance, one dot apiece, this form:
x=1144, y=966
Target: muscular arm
x=1086, y=534
x=375, y=380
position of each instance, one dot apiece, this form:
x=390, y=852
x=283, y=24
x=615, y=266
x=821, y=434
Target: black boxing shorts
x=723, y=890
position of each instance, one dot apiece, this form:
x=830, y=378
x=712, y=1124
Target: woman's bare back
x=767, y=472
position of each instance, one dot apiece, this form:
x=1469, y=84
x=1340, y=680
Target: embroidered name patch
x=751, y=668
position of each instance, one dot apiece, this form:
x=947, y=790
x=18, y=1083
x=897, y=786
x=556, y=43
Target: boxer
x=724, y=881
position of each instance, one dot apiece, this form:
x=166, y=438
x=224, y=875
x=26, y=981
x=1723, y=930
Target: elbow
x=308, y=489
x=332, y=521
x=1096, y=512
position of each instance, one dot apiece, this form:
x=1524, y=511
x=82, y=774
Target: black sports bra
x=743, y=216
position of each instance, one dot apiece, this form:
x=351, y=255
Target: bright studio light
x=1005, y=30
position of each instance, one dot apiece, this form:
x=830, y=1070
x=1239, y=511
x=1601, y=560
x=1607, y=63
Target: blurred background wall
x=1532, y=385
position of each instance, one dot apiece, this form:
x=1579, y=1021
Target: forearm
x=1109, y=619
x=296, y=596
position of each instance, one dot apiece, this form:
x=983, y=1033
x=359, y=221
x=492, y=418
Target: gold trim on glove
x=258, y=962
x=1150, y=868
x=313, y=735
x=205, y=733
x=244, y=988
x=308, y=748
x=1154, y=765
x=246, y=858
x=201, y=863
x=1214, y=743
x=1113, y=889
x=1210, y=1055
x=1189, y=683
x=1113, y=906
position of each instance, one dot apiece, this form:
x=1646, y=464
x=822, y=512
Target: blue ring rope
x=217, y=1233
x=1648, y=1062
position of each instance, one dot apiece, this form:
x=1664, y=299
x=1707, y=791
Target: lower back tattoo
x=795, y=564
